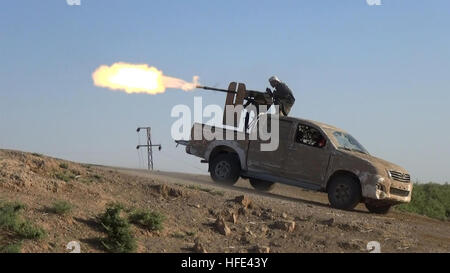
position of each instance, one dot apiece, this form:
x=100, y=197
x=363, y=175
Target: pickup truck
x=311, y=155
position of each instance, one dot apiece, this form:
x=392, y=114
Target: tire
x=344, y=192
x=261, y=185
x=378, y=209
x=225, y=169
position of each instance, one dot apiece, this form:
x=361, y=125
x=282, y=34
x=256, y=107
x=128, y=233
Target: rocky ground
x=200, y=216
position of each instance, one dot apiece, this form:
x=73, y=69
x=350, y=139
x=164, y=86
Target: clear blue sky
x=379, y=72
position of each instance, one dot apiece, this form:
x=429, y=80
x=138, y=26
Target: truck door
x=270, y=161
x=309, y=155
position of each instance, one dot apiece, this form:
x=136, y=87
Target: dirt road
x=280, y=192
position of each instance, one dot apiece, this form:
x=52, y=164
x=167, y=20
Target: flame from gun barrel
x=138, y=78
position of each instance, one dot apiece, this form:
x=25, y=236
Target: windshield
x=347, y=142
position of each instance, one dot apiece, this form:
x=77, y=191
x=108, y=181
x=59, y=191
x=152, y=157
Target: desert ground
x=200, y=216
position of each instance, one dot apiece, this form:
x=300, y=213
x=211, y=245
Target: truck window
x=310, y=136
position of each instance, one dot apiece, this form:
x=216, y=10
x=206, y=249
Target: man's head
x=274, y=81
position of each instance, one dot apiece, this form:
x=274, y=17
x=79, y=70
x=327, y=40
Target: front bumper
x=386, y=189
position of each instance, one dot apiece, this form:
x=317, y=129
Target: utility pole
x=149, y=146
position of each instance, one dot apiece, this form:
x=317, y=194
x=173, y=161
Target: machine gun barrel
x=227, y=91
x=214, y=89
x=253, y=96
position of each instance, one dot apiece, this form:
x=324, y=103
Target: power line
x=149, y=146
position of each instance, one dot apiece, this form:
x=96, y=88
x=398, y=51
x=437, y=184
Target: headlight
x=379, y=179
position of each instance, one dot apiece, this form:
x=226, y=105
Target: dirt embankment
x=199, y=216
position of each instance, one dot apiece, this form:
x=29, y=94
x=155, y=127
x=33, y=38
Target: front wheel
x=225, y=169
x=261, y=185
x=378, y=209
x=344, y=192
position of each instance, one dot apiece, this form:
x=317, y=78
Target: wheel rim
x=223, y=169
x=342, y=193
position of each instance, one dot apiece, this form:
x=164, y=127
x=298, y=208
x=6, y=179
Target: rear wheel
x=261, y=185
x=225, y=169
x=379, y=209
x=344, y=192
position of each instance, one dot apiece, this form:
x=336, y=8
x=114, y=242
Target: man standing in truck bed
x=282, y=95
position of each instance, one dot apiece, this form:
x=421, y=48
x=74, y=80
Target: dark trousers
x=285, y=106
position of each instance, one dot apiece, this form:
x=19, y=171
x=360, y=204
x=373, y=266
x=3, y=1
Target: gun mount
x=237, y=94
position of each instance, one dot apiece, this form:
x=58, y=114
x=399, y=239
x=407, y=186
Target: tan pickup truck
x=311, y=155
